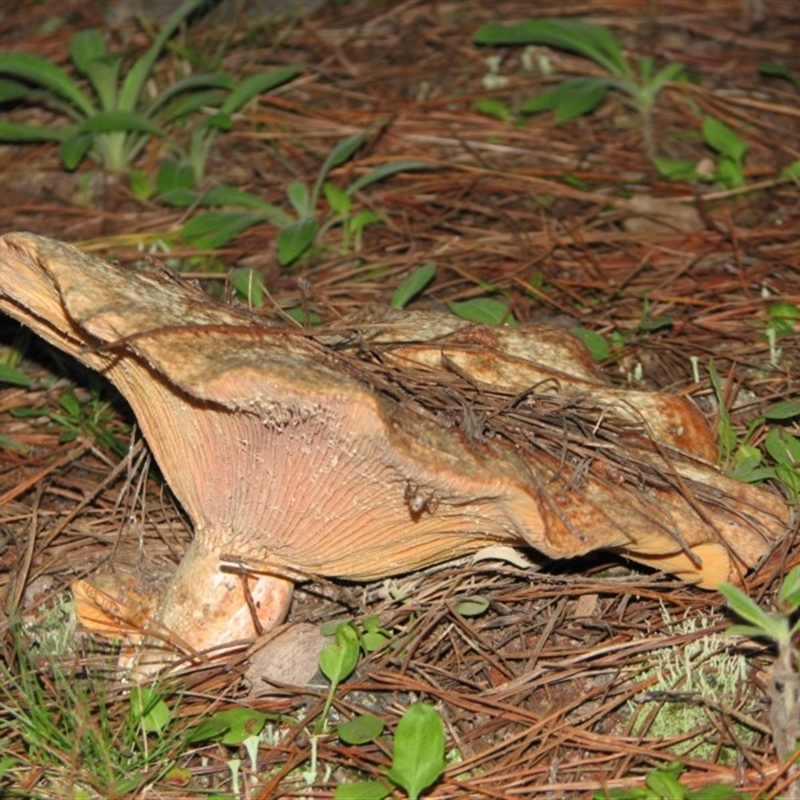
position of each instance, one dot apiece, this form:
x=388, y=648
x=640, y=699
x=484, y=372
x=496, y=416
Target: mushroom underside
x=379, y=446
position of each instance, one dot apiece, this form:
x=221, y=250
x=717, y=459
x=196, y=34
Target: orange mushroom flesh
x=338, y=455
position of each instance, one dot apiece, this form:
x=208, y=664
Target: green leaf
x=595, y=343
x=247, y=283
x=300, y=198
x=174, y=175
x=110, y=121
x=363, y=790
x=786, y=409
x=573, y=35
x=338, y=199
x=418, y=758
x=254, y=85
x=74, y=149
x=483, y=310
x=9, y=374
x=39, y=71
x=493, y=107
x=383, y=171
x=20, y=132
x=783, y=447
x=472, y=606
x=294, y=240
x=791, y=171
x=789, y=594
x=769, y=625
x=570, y=99
x=12, y=90
x=676, y=169
x=342, y=152
x=723, y=139
x=214, y=229
x=360, y=730
x=88, y=52
x=666, y=785
x=772, y=70
x=413, y=285
x=148, y=710
x=232, y=726
x=729, y=173
x=340, y=657
x=140, y=72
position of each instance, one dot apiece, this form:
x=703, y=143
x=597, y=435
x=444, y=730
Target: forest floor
x=576, y=677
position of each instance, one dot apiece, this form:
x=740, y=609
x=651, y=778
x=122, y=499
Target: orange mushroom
x=385, y=445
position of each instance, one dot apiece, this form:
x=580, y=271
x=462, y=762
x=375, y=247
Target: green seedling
x=779, y=628
x=663, y=783
x=418, y=757
x=298, y=232
x=412, y=286
x=745, y=461
x=113, y=121
x=575, y=97
x=176, y=180
x=93, y=420
x=729, y=148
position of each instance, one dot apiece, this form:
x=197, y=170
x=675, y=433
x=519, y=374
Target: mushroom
x=380, y=446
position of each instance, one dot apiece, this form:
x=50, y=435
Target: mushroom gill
x=388, y=444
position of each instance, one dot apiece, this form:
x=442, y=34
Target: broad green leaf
x=294, y=240
x=666, y=785
x=300, y=198
x=214, y=229
x=363, y=790
x=343, y=151
x=723, y=139
x=595, y=343
x=729, y=173
x=676, y=169
x=20, y=132
x=493, y=107
x=413, y=285
x=254, y=85
x=786, y=409
x=573, y=35
x=9, y=374
x=418, y=758
x=361, y=729
x=783, y=447
x=338, y=659
x=230, y=726
x=140, y=72
x=148, y=710
x=384, y=171
x=338, y=199
x=570, y=99
x=39, y=71
x=247, y=283
x=174, y=175
x=483, y=310
x=472, y=606
x=783, y=316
